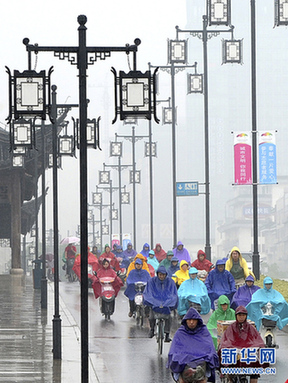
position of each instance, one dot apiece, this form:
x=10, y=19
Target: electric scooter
x=107, y=297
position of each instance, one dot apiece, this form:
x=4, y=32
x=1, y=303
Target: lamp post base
x=57, y=337
x=17, y=271
x=44, y=293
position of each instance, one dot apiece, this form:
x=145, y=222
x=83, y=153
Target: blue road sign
x=186, y=188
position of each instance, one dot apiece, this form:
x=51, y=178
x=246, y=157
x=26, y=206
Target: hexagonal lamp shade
x=137, y=177
x=153, y=149
x=104, y=177
x=66, y=145
x=219, y=12
x=137, y=95
x=105, y=229
x=29, y=93
x=116, y=149
x=96, y=198
x=232, y=51
x=125, y=198
x=177, y=51
x=281, y=12
x=22, y=134
x=194, y=83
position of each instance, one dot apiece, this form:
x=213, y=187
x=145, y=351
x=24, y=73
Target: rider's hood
x=162, y=269
x=222, y=300
x=242, y=310
x=193, y=270
x=183, y=262
x=192, y=314
x=267, y=281
x=201, y=252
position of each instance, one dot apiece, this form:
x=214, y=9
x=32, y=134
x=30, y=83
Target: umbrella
x=67, y=240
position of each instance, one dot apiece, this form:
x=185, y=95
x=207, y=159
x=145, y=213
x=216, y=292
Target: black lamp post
x=116, y=151
x=218, y=13
x=134, y=175
x=104, y=178
x=82, y=56
x=176, y=55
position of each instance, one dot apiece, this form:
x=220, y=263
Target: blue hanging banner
x=267, y=158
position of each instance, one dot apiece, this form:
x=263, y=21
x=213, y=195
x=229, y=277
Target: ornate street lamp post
x=134, y=89
x=177, y=58
x=218, y=13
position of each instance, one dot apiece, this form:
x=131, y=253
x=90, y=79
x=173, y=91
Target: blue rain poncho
x=262, y=297
x=193, y=290
x=135, y=275
x=153, y=261
x=161, y=296
x=192, y=347
x=220, y=283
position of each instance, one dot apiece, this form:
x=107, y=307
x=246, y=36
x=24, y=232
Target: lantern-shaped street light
x=92, y=133
x=115, y=149
x=29, y=93
x=105, y=229
x=219, y=12
x=177, y=51
x=194, y=83
x=22, y=134
x=167, y=115
x=281, y=12
x=232, y=51
x=137, y=95
x=18, y=162
x=150, y=149
x=115, y=214
x=104, y=177
x=125, y=198
x=96, y=198
x=135, y=176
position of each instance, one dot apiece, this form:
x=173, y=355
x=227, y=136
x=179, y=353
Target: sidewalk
x=26, y=337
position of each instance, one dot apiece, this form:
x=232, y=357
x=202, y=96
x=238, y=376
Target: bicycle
x=160, y=324
x=138, y=300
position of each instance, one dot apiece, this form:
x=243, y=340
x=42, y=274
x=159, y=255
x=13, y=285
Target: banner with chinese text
x=267, y=158
x=242, y=158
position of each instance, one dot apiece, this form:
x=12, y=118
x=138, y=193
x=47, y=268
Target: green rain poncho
x=219, y=314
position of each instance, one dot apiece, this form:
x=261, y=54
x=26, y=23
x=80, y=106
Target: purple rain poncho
x=244, y=294
x=130, y=253
x=192, y=347
x=161, y=296
x=135, y=275
x=182, y=255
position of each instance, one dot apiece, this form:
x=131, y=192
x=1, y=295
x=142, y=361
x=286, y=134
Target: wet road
x=128, y=354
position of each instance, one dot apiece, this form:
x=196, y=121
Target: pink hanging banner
x=242, y=158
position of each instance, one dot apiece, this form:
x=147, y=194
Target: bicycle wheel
x=160, y=336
